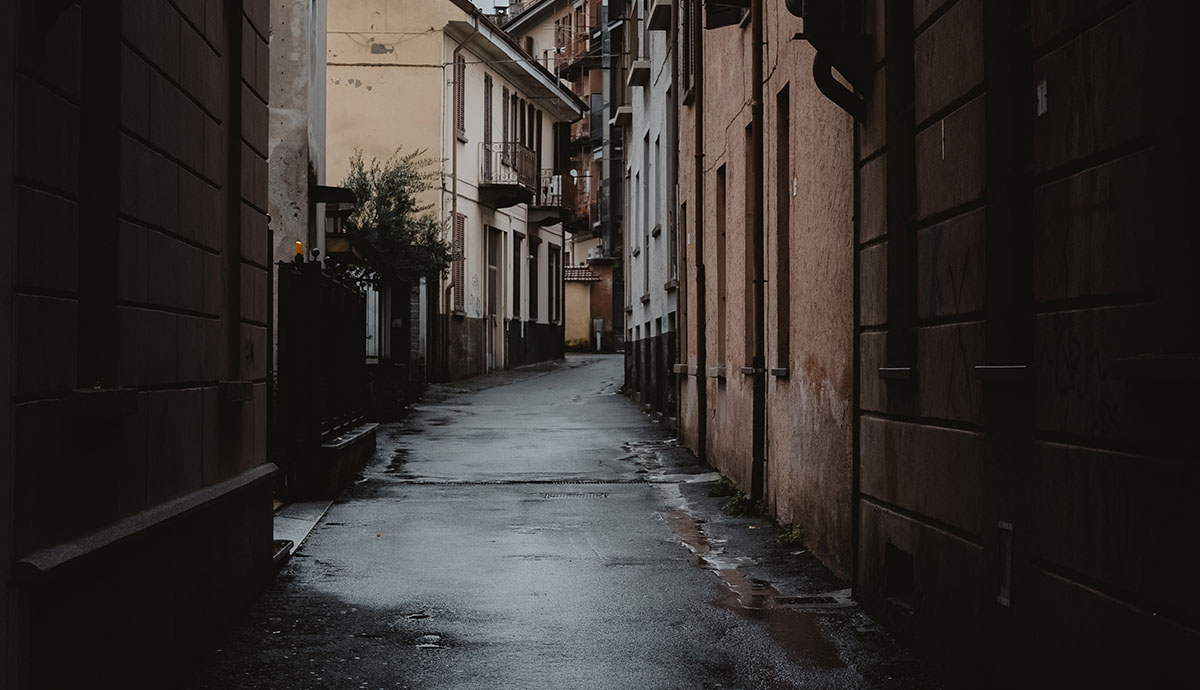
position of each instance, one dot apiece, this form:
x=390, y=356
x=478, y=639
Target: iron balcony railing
x=516, y=8
x=557, y=188
x=507, y=163
x=571, y=44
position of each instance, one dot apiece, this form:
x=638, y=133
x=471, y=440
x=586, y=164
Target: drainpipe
x=701, y=317
x=673, y=174
x=758, y=465
x=454, y=181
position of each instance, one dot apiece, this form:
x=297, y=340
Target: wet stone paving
x=533, y=529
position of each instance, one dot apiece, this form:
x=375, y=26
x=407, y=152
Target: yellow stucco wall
x=578, y=311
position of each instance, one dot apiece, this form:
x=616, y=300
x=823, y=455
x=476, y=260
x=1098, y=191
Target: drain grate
x=535, y=482
x=590, y=494
x=805, y=601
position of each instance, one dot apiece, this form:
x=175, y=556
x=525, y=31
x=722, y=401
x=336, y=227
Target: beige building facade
x=443, y=78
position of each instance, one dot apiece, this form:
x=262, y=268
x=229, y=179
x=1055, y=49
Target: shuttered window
x=534, y=277
x=487, y=108
x=460, y=97
x=459, y=262
x=504, y=114
x=687, y=63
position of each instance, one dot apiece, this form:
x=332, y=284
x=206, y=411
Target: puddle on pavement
x=645, y=453
x=397, y=464
x=796, y=631
x=430, y=642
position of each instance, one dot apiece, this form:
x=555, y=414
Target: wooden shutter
x=487, y=108
x=459, y=263
x=487, y=127
x=460, y=96
x=504, y=114
x=687, y=63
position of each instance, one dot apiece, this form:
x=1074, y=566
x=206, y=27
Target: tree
x=399, y=238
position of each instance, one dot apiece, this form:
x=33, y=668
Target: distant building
x=442, y=77
x=651, y=258
x=580, y=333
x=566, y=37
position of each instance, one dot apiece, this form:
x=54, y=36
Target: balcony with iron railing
x=516, y=8
x=555, y=200
x=508, y=174
x=571, y=46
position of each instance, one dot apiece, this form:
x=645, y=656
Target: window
x=647, y=196
x=458, y=267
x=657, y=178
x=460, y=97
x=687, y=62
x=510, y=130
x=487, y=126
x=721, y=312
x=783, y=230
x=529, y=124
x=750, y=315
x=534, y=245
x=504, y=113
x=554, y=283
x=522, y=127
x=537, y=137
x=683, y=229
x=673, y=247
x=518, y=257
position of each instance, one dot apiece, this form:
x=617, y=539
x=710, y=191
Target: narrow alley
x=533, y=529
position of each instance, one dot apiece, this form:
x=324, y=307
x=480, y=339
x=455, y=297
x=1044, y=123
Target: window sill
x=636, y=251
x=656, y=231
x=646, y=298
x=461, y=136
x=899, y=374
x=717, y=372
x=672, y=284
x=781, y=372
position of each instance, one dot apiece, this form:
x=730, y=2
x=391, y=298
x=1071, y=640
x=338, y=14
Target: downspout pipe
x=758, y=466
x=673, y=174
x=701, y=317
x=454, y=183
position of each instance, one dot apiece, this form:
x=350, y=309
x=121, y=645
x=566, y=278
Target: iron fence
x=321, y=371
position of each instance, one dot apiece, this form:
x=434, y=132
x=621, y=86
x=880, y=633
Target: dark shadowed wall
x=133, y=208
x=1028, y=331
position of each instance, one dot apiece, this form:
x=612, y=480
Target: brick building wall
x=135, y=216
x=1026, y=288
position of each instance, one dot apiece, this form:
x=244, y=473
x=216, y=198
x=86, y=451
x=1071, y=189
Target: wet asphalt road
x=533, y=529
